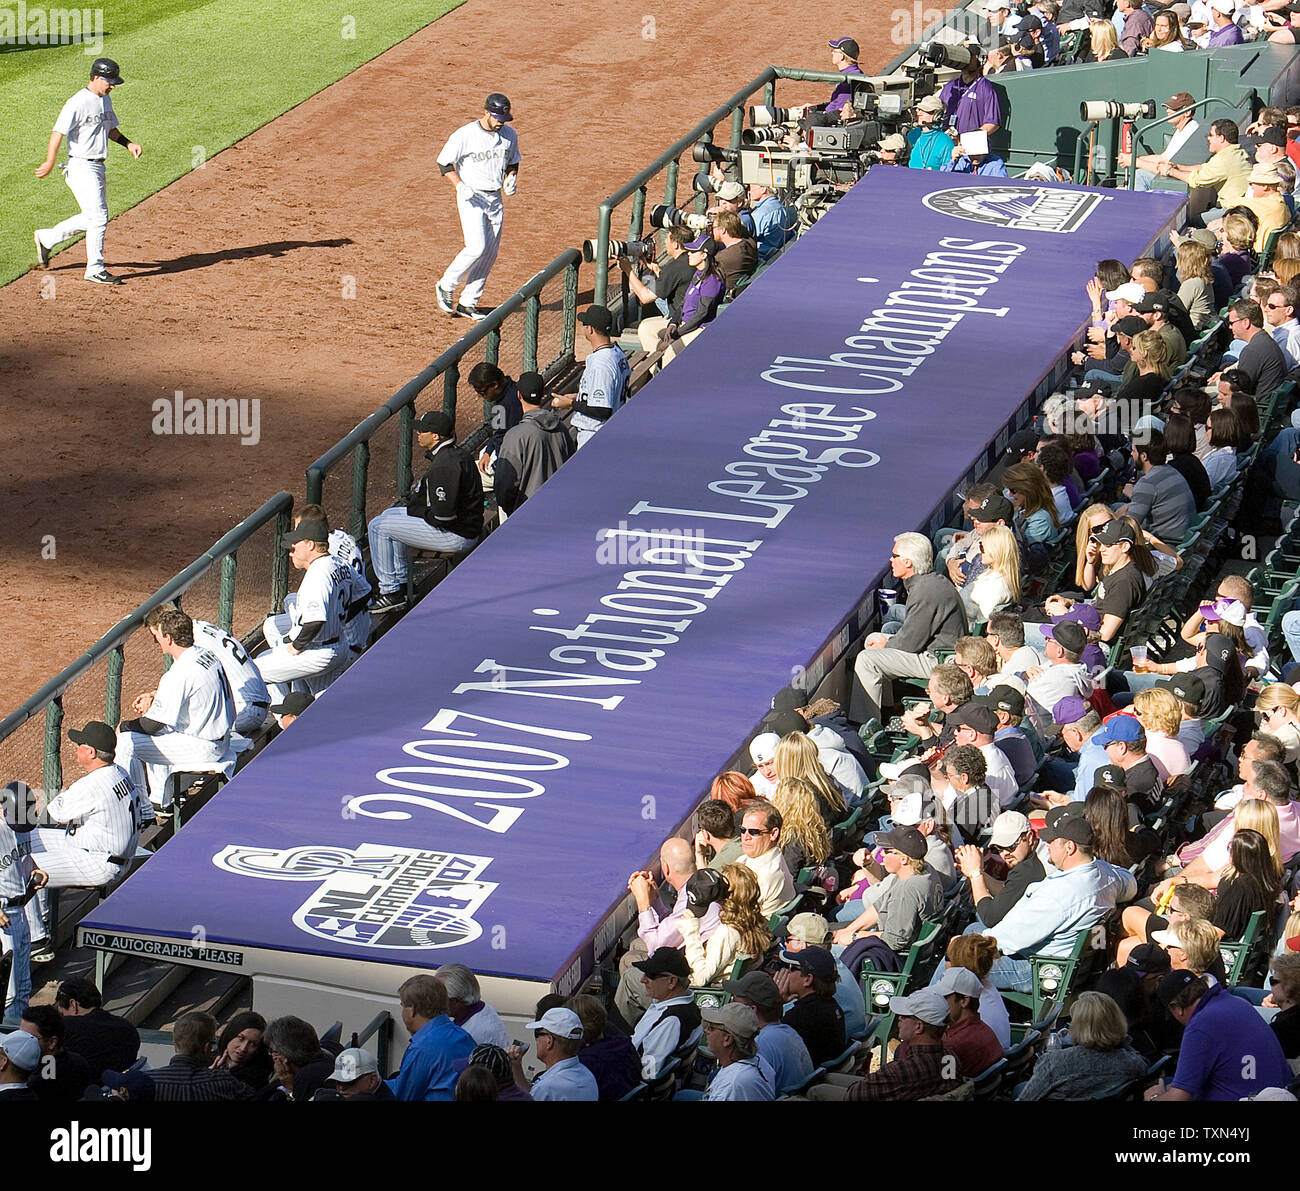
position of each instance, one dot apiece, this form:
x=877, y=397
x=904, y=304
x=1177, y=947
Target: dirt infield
x=236, y=276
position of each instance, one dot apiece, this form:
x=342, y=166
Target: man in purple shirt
x=970, y=100
x=1226, y=30
x=844, y=57
x=656, y=926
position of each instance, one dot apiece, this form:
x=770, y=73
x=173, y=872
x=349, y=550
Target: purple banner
x=479, y=785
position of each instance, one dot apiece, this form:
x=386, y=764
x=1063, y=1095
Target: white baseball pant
x=67, y=866
x=480, y=220
x=150, y=760
x=313, y=668
x=89, y=184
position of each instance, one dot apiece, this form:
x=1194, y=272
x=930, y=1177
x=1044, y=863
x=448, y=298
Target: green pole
x=532, y=313
x=602, y=255
x=52, y=770
x=449, y=379
x=405, y=429
x=631, y=304
x=113, y=694
x=360, y=473
x=226, y=600
x=570, y=310
x=280, y=558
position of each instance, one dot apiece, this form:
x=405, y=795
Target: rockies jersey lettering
x=86, y=120
x=194, y=697
x=344, y=547
x=15, y=862
x=245, y=679
x=321, y=597
x=101, y=811
x=481, y=158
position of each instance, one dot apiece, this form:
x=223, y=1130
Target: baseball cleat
x=445, y=303
x=471, y=312
x=103, y=278
x=388, y=601
x=42, y=253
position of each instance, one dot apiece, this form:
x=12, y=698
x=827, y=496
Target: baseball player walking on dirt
x=89, y=123
x=481, y=160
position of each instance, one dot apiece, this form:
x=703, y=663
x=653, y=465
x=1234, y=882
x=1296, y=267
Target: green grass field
x=200, y=75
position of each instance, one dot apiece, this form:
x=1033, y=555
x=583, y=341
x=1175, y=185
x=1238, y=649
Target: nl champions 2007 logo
x=1021, y=208
x=375, y=896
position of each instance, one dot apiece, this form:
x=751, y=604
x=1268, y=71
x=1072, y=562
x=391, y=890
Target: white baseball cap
x=926, y=1004
x=1130, y=291
x=962, y=981
x=1166, y=938
x=1227, y=7
x=563, y=1023
x=22, y=1050
x=1008, y=827
x=763, y=747
x=352, y=1064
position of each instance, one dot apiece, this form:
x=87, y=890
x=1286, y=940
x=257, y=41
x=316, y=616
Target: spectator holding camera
x=742, y=931
x=672, y=278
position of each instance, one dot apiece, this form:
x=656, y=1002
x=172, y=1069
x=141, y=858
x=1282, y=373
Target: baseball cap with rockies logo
x=499, y=106
x=106, y=68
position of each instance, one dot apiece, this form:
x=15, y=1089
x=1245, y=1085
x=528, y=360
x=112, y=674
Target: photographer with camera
x=731, y=197
x=672, y=278
x=702, y=297
x=971, y=103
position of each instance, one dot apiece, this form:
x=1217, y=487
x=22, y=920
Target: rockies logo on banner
x=1018, y=207
x=375, y=896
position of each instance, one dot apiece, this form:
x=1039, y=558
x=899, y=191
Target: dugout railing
x=532, y=330
x=242, y=577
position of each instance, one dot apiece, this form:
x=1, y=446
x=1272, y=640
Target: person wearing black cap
x=313, y=651
x=976, y=724
x=92, y=827
x=443, y=512
x=808, y=978
x=1008, y=705
x=1228, y=1051
x=533, y=451
x=605, y=374
x=89, y=123
x=480, y=160
x=1132, y=986
x=293, y=705
x=672, y=1020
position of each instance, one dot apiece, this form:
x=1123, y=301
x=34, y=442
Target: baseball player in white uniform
x=185, y=724
x=89, y=123
x=93, y=826
x=19, y=876
x=480, y=159
x=252, y=700
x=310, y=649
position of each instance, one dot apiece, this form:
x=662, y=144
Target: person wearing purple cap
x=1079, y=724
x=700, y=306
x=844, y=58
x=1063, y=676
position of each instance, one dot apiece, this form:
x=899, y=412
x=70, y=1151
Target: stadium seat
x=1242, y=959
x=1054, y=977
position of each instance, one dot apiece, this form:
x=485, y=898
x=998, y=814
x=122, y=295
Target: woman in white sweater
x=998, y=584
x=743, y=930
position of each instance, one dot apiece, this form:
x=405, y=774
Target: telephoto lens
x=705, y=153
x=1115, y=109
x=764, y=137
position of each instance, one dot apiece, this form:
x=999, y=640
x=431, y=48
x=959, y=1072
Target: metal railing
x=668, y=166
x=1130, y=180
x=540, y=317
x=242, y=577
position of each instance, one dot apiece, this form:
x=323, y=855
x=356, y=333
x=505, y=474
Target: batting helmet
x=106, y=68
x=499, y=106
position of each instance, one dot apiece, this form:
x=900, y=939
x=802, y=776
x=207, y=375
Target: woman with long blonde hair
x=1103, y=45
x=797, y=756
x=1196, y=283
x=805, y=842
x=743, y=930
x=998, y=584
